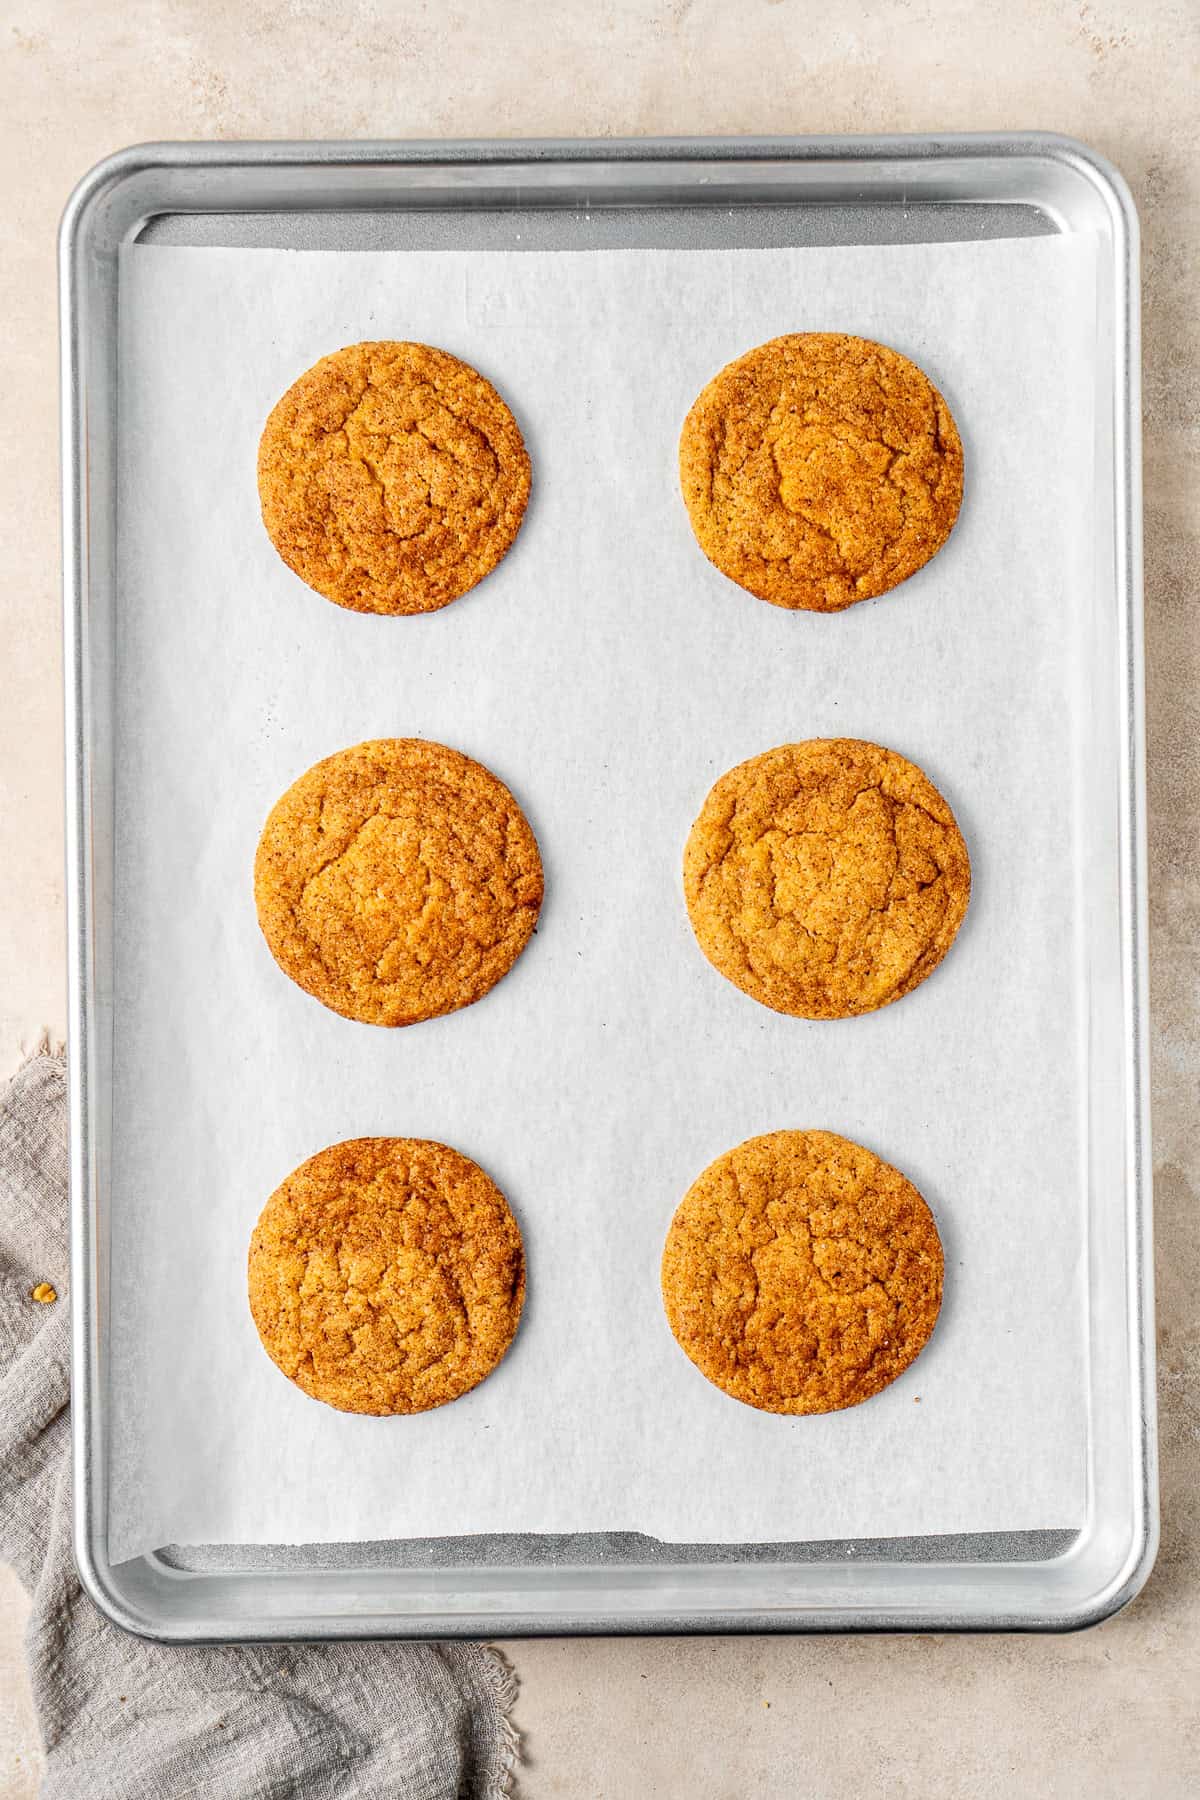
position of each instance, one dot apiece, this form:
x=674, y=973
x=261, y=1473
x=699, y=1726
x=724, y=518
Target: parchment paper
x=609, y=675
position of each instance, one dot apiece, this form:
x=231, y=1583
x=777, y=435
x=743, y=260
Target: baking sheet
x=608, y=674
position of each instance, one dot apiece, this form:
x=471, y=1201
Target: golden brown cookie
x=397, y=881
x=826, y=878
x=820, y=469
x=801, y=1274
x=386, y=1275
x=392, y=477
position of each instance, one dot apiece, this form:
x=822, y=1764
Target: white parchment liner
x=608, y=674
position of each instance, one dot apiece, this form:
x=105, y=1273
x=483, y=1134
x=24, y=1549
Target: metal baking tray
x=543, y=195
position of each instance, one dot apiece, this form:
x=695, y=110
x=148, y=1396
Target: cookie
x=397, y=881
x=827, y=878
x=386, y=1275
x=801, y=1274
x=392, y=477
x=820, y=469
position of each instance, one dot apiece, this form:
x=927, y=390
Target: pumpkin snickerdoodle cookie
x=392, y=477
x=826, y=878
x=820, y=469
x=801, y=1274
x=386, y=1275
x=397, y=881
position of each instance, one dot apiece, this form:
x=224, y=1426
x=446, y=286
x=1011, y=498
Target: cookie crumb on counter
x=44, y=1293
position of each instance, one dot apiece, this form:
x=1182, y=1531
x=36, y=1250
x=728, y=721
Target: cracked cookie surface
x=386, y=1275
x=827, y=878
x=392, y=477
x=802, y=1274
x=397, y=881
x=820, y=469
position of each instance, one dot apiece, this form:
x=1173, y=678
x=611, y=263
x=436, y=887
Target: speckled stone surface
x=1111, y=1712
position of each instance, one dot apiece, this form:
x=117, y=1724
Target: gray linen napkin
x=126, y=1720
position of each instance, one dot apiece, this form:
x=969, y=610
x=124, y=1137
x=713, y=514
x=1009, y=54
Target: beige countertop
x=1112, y=1712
